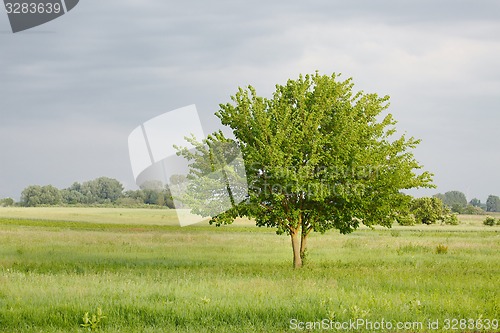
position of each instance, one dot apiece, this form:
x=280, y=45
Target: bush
x=472, y=210
x=406, y=219
x=450, y=219
x=427, y=210
x=489, y=221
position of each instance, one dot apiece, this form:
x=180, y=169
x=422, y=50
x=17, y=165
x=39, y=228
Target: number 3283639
x=32, y=8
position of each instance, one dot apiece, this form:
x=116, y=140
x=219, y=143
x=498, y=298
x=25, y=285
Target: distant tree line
x=109, y=191
x=457, y=202
x=7, y=202
x=444, y=208
x=100, y=191
x=426, y=210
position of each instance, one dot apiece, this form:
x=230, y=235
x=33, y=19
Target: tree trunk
x=297, y=260
x=303, y=244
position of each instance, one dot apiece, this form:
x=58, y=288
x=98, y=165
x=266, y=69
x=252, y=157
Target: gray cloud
x=72, y=90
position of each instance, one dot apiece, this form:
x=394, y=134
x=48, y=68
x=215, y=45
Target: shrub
x=427, y=210
x=451, y=219
x=489, y=221
x=472, y=210
x=406, y=219
x=441, y=249
x=92, y=322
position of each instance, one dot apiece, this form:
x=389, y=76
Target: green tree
x=136, y=195
x=6, y=202
x=317, y=157
x=101, y=190
x=456, y=200
x=475, y=202
x=35, y=195
x=155, y=193
x=493, y=204
x=427, y=210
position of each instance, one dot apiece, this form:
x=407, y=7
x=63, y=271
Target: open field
x=149, y=275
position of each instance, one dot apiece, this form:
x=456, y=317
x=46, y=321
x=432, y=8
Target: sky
x=72, y=90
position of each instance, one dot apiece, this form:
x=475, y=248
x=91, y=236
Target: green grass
x=148, y=275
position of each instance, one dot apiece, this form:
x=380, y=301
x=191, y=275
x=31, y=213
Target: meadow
x=148, y=275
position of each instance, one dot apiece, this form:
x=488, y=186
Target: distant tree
x=50, y=195
x=101, y=190
x=72, y=197
x=440, y=196
x=317, y=155
x=31, y=196
x=428, y=210
x=473, y=210
x=35, y=195
x=493, y=204
x=137, y=195
x=455, y=200
x=475, y=202
x=155, y=193
x=108, y=189
x=6, y=202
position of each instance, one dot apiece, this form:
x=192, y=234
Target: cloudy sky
x=73, y=89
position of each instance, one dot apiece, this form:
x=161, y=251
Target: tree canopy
x=493, y=203
x=317, y=156
x=456, y=200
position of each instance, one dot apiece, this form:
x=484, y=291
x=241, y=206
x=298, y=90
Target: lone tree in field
x=317, y=157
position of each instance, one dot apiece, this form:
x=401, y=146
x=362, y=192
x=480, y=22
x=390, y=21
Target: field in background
x=167, y=217
x=148, y=275
x=143, y=216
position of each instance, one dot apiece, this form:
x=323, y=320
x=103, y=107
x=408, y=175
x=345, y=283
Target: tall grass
x=151, y=278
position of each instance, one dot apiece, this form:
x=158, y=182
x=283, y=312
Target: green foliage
x=493, y=204
x=318, y=156
x=490, y=221
x=450, y=218
x=455, y=200
x=427, y=210
x=475, y=202
x=407, y=219
x=217, y=171
x=7, y=202
x=35, y=195
x=92, y=322
x=473, y=210
x=102, y=190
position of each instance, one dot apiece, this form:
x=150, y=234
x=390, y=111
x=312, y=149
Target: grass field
x=148, y=275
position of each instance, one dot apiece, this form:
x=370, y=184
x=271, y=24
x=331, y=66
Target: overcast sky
x=72, y=90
